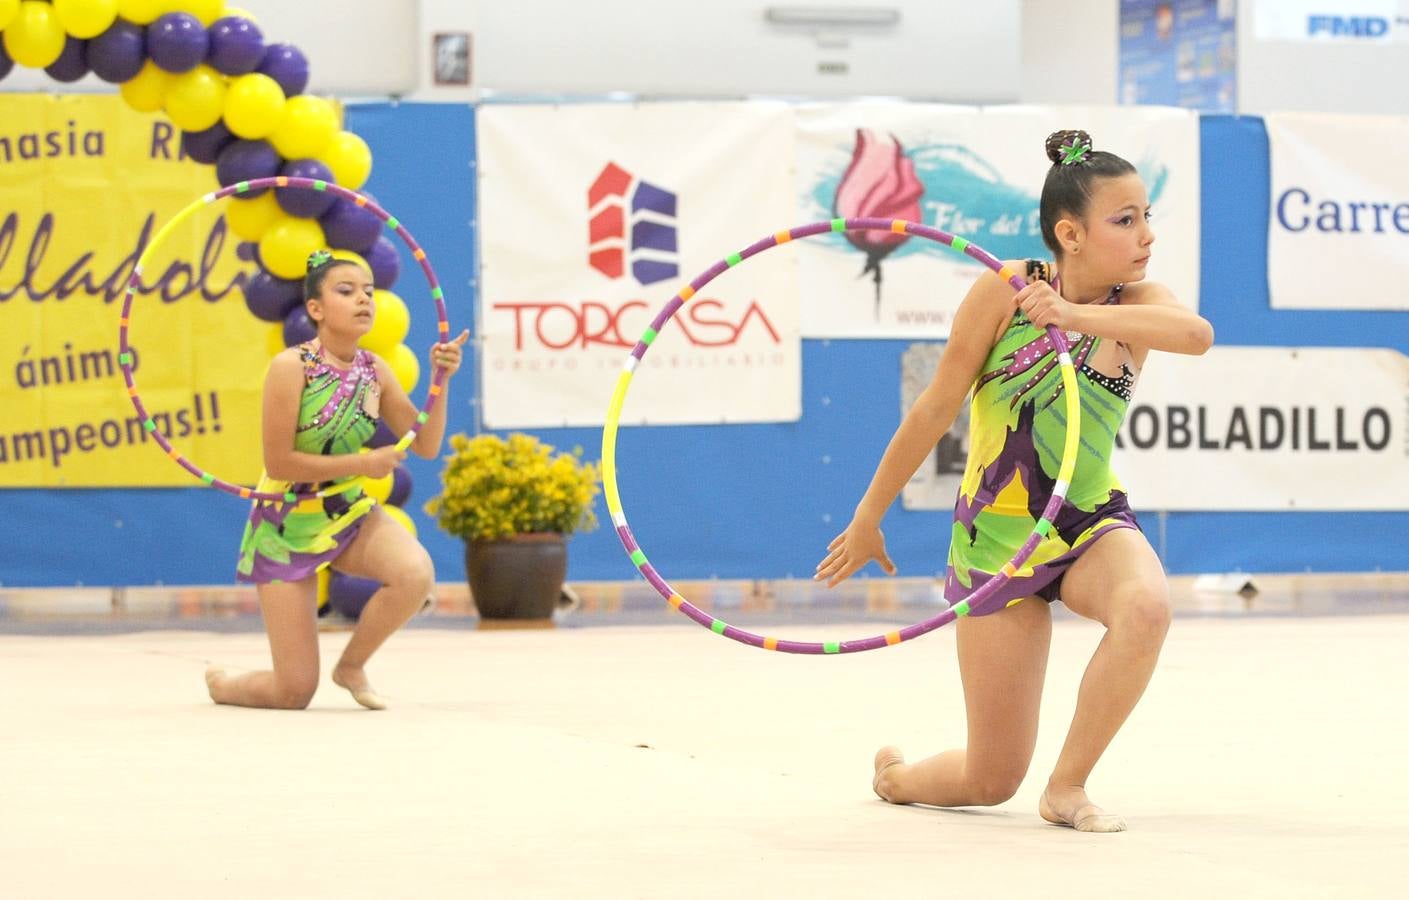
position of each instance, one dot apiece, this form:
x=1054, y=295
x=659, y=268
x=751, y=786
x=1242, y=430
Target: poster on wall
x=976, y=173
x=584, y=240
x=1249, y=429
x=936, y=483
x=1179, y=53
x=84, y=184
x=1339, y=213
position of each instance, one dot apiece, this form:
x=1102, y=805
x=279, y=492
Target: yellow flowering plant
x=496, y=488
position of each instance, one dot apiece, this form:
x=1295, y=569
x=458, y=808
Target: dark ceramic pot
x=519, y=579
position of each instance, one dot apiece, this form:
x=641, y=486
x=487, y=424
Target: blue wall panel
x=742, y=501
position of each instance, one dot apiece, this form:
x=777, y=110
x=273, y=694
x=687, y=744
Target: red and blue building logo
x=632, y=224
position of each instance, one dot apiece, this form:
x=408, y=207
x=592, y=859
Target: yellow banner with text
x=85, y=183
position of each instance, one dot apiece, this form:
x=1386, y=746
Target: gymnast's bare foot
x=214, y=676
x=887, y=759
x=1069, y=805
x=356, y=683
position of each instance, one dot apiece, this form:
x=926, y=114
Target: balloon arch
x=241, y=107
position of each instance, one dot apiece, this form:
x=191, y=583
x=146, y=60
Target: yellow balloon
x=205, y=10
x=379, y=489
x=349, y=158
x=405, y=366
x=146, y=91
x=274, y=339
x=389, y=326
x=249, y=219
x=196, y=99
x=285, y=245
x=352, y=257
x=35, y=38
x=325, y=578
x=85, y=18
x=8, y=10
x=253, y=105
x=401, y=518
x=142, y=12
x=307, y=126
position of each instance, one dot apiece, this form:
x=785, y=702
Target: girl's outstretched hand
x=852, y=549
x=447, y=356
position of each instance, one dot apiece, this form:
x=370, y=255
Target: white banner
x=1338, y=237
x=1240, y=428
x=1269, y=428
x=976, y=173
x=591, y=218
x=1354, y=22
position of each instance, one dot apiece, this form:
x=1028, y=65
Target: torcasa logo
x=631, y=230
x=649, y=246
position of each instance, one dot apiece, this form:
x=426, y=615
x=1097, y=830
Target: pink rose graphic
x=880, y=182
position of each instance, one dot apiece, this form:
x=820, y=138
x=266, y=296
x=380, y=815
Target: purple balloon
x=244, y=161
x=273, y=299
x=384, y=262
x=348, y=595
x=205, y=146
x=117, y=54
x=400, y=486
x=348, y=226
x=298, y=328
x=249, y=250
x=382, y=437
x=177, y=42
x=6, y=64
x=287, y=65
x=236, y=45
x=71, y=64
x=300, y=201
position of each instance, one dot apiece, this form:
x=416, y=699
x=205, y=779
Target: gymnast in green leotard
x=1094, y=214
x=322, y=400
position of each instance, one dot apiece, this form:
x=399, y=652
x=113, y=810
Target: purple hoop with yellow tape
x=134, y=283
x=978, y=601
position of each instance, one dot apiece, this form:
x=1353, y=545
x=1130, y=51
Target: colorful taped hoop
x=125, y=355
x=978, y=600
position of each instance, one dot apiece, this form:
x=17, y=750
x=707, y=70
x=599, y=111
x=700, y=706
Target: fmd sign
x=1326, y=21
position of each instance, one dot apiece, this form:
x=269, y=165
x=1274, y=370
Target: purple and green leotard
x=337, y=414
x=1016, y=434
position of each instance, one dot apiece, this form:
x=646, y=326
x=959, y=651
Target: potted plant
x=514, y=502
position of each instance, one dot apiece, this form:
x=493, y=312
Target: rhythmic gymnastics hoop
x=977, y=600
x=125, y=357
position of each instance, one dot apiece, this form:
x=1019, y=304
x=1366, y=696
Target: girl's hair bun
x=1068, y=147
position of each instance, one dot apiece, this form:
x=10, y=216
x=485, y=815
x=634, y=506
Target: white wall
x=1071, y=51
x=1031, y=51
x=448, y=16
x=941, y=49
x=354, y=47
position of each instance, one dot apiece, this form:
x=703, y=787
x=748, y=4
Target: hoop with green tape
x=125, y=356
x=977, y=601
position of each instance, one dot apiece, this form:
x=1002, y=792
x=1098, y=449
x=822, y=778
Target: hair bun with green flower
x=1068, y=148
x=319, y=258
